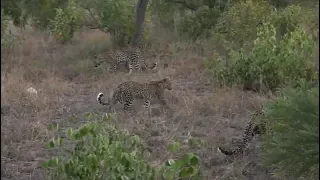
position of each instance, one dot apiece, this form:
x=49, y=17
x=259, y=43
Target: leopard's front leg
x=130, y=68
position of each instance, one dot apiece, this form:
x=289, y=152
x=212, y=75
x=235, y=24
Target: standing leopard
x=251, y=129
x=130, y=58
x=128, y=91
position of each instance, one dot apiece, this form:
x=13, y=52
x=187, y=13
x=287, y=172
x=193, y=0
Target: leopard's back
x=131, y=58
x=129, y=91
x=132, y=90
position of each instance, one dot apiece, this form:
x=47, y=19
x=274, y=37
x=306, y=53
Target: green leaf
x=51, y=144
x=51, y=162
x=187, y=172
x=83, y=131
x=125, y=159
x=168, y=174
x=187, y=158
x=53, y=127
x=58, y=141
x=174, y=147
x=135, y=140
x=177, y=165
x=194, y=161
x=69, y=133
x=89, y=116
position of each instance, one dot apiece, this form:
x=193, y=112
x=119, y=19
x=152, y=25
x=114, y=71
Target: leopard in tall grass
x=252, y=129
x=128, y=91
x=131, y=58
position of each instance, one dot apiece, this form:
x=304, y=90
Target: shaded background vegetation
x=259, y=45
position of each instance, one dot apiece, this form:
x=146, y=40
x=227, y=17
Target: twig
x=96, y=21
x=184, y=3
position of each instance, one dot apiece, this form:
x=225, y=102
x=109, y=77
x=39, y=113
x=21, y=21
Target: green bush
x=199, y=23
x=7, y=39
x=13, y=10
x=41, y=12
x=118, y=18
x=98, y=150
x=236, y=26
x=289, y=19
x=66, y=21
x=292, y=145
x=274, y=64
x=163, y=13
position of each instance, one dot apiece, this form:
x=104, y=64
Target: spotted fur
x=128, y=91
x=251, y=130
x=131, y=58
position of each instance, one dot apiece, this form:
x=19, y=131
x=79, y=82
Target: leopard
x=252, y=129
x=127, y=92
x=131, y=58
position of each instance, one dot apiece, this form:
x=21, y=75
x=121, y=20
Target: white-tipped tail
x=226, y=152
x=155, y=65
x=100, y=95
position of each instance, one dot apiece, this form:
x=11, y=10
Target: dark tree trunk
x=140, y=16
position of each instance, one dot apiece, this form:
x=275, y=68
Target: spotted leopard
x=128, y=91
x=251, y=129
x=130, y=58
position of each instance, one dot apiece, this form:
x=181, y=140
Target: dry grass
x=68, y=83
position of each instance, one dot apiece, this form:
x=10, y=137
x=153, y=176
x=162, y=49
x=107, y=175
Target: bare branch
x=96, y=21
x=184, y=3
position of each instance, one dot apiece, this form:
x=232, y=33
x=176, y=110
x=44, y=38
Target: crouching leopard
x=252, y=128
x=128, y=91
x=130, y=58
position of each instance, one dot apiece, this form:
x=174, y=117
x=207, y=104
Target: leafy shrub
x=118, y=18
x=292, y=145
x=42, y=12
x=163, y=13
x=7, y=39
x=199, y=23
x=236, y=26
x=289, y=19
x=13, y=10
x=98, y=150
x=66, y=21
x=275, y=64
x=4, y=23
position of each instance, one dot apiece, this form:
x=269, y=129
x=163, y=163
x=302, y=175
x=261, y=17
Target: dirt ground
x=68, y=83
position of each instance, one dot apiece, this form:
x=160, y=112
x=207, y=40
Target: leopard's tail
x=153, y=66
x=236, y=151
x=250, y=131
x=100, y=95
x=224, y=151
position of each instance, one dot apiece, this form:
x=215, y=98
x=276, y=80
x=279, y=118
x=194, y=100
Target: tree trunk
x=140, y=16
